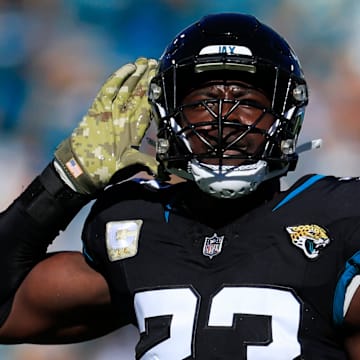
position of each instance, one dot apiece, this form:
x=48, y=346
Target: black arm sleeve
x=29, y=225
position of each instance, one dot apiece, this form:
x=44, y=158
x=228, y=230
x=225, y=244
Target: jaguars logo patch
x=311, y=239
x=122, y=238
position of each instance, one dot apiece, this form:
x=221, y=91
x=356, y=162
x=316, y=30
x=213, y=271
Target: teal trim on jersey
x=299, y=190
x=352, y=268
x=85, y=253
x=167, y=212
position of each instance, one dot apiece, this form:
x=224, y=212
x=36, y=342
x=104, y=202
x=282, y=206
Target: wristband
x=50, y=202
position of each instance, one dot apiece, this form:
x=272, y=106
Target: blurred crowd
x=54, y=56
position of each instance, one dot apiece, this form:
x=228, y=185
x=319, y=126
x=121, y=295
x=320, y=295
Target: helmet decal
x=225, y=49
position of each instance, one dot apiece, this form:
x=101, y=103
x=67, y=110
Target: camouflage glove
x=108, y=137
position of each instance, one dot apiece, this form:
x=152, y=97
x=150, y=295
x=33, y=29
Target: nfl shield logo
x=213, y=245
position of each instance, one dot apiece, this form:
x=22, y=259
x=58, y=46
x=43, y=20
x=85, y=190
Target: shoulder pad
x=132, y=190
x=152, y=184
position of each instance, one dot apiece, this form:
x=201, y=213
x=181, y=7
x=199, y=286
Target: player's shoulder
x=327, y=183
x=135, y=188
x=322, y=180
x=124, y=205
x=134, y=191
x=323, y=191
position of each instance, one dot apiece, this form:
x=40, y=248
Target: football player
x=220, y=265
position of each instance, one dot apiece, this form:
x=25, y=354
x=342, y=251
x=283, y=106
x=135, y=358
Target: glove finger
x=152, y=67
x=112, y=85
x=142, y=85
x=132, y=81
x=138, y=104
x=130, y=109
x=101, y=107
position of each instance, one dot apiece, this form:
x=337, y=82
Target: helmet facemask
x=225, y=163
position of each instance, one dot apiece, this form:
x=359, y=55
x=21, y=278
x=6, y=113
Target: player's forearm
x=29, y=225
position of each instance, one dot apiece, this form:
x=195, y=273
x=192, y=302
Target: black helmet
x=238, y=47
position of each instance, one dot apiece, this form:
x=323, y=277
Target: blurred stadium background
x=54, y=56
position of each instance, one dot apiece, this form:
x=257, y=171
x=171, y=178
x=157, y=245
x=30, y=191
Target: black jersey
x=270, y=284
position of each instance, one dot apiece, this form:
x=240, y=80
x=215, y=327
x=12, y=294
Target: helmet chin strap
x=229, y=182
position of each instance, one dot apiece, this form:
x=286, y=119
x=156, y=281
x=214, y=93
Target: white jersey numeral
x=181, y=306
x=281, y=305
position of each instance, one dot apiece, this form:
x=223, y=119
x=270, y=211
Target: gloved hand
x=108, y=137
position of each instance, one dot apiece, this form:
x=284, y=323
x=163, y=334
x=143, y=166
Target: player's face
x=226, y=119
